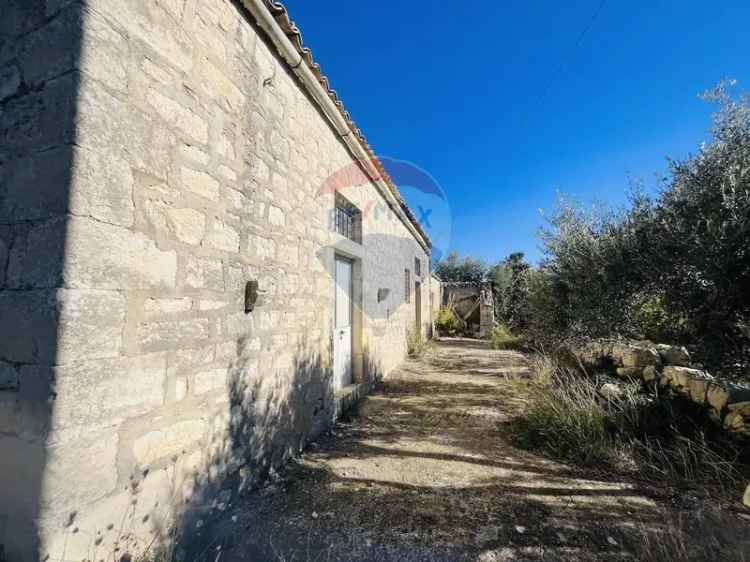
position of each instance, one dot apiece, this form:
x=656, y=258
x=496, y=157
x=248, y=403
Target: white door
x=342, y=329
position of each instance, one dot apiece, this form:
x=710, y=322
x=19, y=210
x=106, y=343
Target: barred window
x=417, y=267
x=407, y=288
x=347, y=219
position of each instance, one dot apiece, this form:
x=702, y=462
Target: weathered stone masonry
x=157, y=155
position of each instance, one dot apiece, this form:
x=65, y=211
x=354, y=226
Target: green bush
x=675, y=265
x=446, y=322
x=502, y=338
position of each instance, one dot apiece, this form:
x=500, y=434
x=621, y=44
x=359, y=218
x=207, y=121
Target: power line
x=564, y=61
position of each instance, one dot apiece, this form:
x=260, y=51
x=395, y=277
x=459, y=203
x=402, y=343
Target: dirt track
x=424, y=471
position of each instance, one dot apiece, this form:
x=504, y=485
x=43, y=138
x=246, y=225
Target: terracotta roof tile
x=281, y=15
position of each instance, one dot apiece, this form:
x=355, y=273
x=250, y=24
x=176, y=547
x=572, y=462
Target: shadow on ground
x=423, y=471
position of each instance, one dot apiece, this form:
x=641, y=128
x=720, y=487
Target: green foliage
x=654, y=322
x=453, y=268
x=446, y=322
x=415, y=344
x=502, y=338
x=510, y=285
x=674, y=267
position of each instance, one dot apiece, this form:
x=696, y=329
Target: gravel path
x=424, y=471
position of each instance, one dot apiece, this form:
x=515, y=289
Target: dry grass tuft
x=568, y=419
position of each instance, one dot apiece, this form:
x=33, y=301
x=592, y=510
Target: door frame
x=346, y=259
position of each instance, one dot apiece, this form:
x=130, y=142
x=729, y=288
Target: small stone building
x=192, y=280
x=473, y=303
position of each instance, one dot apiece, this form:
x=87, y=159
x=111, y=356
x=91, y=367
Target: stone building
x=192, y=280
x=474, y=304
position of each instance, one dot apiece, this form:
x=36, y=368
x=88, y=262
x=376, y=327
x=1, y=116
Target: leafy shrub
x=446, y=322
x=673, y=266
x=502, y=338
x=510, y=285
x=468, y=269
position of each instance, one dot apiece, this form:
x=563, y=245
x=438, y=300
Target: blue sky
x=503, y=105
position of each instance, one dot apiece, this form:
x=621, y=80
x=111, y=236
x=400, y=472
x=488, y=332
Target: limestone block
x=673, y=355
x=44, y=171
x=185, y=361
x=650, y=373
x=260, y=247
x=51, y=49
x=40, y=120
x=217, y=85
x=179, y=117
x=28, y=330
x=742, y=408
x=10, y=81
x=89, y=324
x=289, y=254
x=103, y=52
x=102, y=187
x=209, y=304
x=200, y=183
x=679, y=377
x=223, y=237
x=168, y=442
x=174, y=7
x=204, y=273
x=8, y=376
x=276, y=216
x=80, y=472
x=105, y=256
x=60, y=326
x=191, y=152
x=186, y=225
x=212, y=379
x=640, y=357
x=735, y=422
x=629, y=372
x=722, y=394
x=96, y=256
x=698, y=387
x=157, y=307
x=100, y=393
x=166, y=334
x=22, y=466
x=235, y=325
x=180, y=388
x=106, y=124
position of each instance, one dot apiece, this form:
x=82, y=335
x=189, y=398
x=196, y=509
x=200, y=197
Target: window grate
x=347, y=219
x=417, y=267
x=344, y=222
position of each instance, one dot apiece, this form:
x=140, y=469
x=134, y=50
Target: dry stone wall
x=668, y=366
x=156, y=156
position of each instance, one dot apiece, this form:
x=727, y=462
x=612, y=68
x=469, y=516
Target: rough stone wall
x=669, y=367
x=464, y=296
x=156, y=156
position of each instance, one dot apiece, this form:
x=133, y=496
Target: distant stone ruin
x=473, y=304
